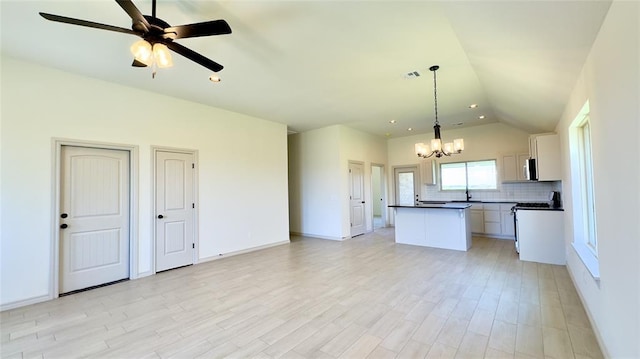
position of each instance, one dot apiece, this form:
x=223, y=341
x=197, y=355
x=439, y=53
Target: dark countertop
x=436, y=203
x=439, y=205
x=538, y=209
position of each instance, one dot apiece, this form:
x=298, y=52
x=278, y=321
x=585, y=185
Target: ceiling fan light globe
x=142, y=52
x=162, y=56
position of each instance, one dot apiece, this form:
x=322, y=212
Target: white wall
x=609, y=81
x=376, y=189
x=319, y=178
x=314, y=183
x=242, y=189
x=360, y=147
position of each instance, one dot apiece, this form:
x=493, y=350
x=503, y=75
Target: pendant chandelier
x=437, y=148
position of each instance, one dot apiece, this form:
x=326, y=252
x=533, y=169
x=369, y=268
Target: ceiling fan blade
x=194, y=56
x=208, y=28
x=137, y=63
x=139, y=22
x=95, y=25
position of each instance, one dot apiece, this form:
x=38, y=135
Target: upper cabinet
x=428, y=172
x=513, y=167
x=545, y=149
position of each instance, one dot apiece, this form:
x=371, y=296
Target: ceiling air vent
x=412, y=75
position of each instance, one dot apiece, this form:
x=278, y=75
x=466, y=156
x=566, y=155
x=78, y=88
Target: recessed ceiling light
x=481, y=117
x=409, y=129
x=392, y=121
x=473, y=105
x=214, y=78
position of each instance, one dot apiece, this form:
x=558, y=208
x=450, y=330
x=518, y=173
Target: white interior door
x=356, y=196
x=174, y=209
x=94, y=217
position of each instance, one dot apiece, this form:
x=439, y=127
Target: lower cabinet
x=497, y=220
x=477, y=218
x=492, y=220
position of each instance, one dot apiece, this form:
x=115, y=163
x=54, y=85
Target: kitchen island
x=445, y=225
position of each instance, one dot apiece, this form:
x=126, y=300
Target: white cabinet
x=477, y=218
x=541, y=236
x=495, y=221
x=427, y=172
x=545, y=148
x=492, y=221
x=508, y=228
x=513, y=167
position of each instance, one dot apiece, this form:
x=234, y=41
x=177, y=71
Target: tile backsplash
x=510, y=191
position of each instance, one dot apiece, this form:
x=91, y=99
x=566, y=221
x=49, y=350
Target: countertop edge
x=433, y=206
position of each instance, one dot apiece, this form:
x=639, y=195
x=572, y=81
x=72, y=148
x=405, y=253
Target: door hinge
x=193, y=245
x=193, y=165
x=193, y=205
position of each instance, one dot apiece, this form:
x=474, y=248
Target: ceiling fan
x=157, y=36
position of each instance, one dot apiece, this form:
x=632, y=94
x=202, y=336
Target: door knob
x=63, y=226
x=64, y=215
x=160, y=216
x=362, y=201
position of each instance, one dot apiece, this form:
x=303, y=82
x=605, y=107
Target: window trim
x=466, y=163
x=585, y=240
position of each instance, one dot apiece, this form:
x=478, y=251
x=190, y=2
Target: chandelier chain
x=435, y=95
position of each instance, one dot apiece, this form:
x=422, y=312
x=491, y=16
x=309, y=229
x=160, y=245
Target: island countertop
x=449, y=205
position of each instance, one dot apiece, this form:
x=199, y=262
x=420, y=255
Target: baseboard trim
x=317, y=236
x=242, y=251
x=587, y=310
x=25, y=302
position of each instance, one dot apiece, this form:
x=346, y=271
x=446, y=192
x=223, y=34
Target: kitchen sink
x=463, y=201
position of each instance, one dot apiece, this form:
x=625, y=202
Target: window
x=585, y=239
x=468, y=175
x=586, y=184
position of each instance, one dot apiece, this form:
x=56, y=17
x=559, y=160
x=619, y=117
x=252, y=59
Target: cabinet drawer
x=491, y=206
x=506, y=206
x=491, y=216
x=492, y=228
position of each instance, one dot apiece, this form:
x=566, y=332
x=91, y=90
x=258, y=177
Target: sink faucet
x=468, y=195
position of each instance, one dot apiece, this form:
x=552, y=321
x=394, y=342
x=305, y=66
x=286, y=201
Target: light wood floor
x=364, y=297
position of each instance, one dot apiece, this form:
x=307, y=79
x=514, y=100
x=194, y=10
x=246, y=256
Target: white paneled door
x=94, y=217
x=356, y=196
x=174, y=209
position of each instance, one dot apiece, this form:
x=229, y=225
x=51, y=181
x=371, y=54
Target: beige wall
x=610, y=81
x=243, y=188
x=319, y=178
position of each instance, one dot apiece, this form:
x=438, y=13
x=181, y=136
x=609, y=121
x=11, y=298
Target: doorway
x=378, y=197
x=93, y=216
x=175, y=208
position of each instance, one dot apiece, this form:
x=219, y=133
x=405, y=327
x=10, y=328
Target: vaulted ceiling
x=310, y=64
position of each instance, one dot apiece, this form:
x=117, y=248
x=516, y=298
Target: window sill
x=590, y=261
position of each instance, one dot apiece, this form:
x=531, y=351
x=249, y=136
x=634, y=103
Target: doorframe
x=383, y=189
x=57, y=144
x=196, y=210
x=416, y=185
x=364, y=195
